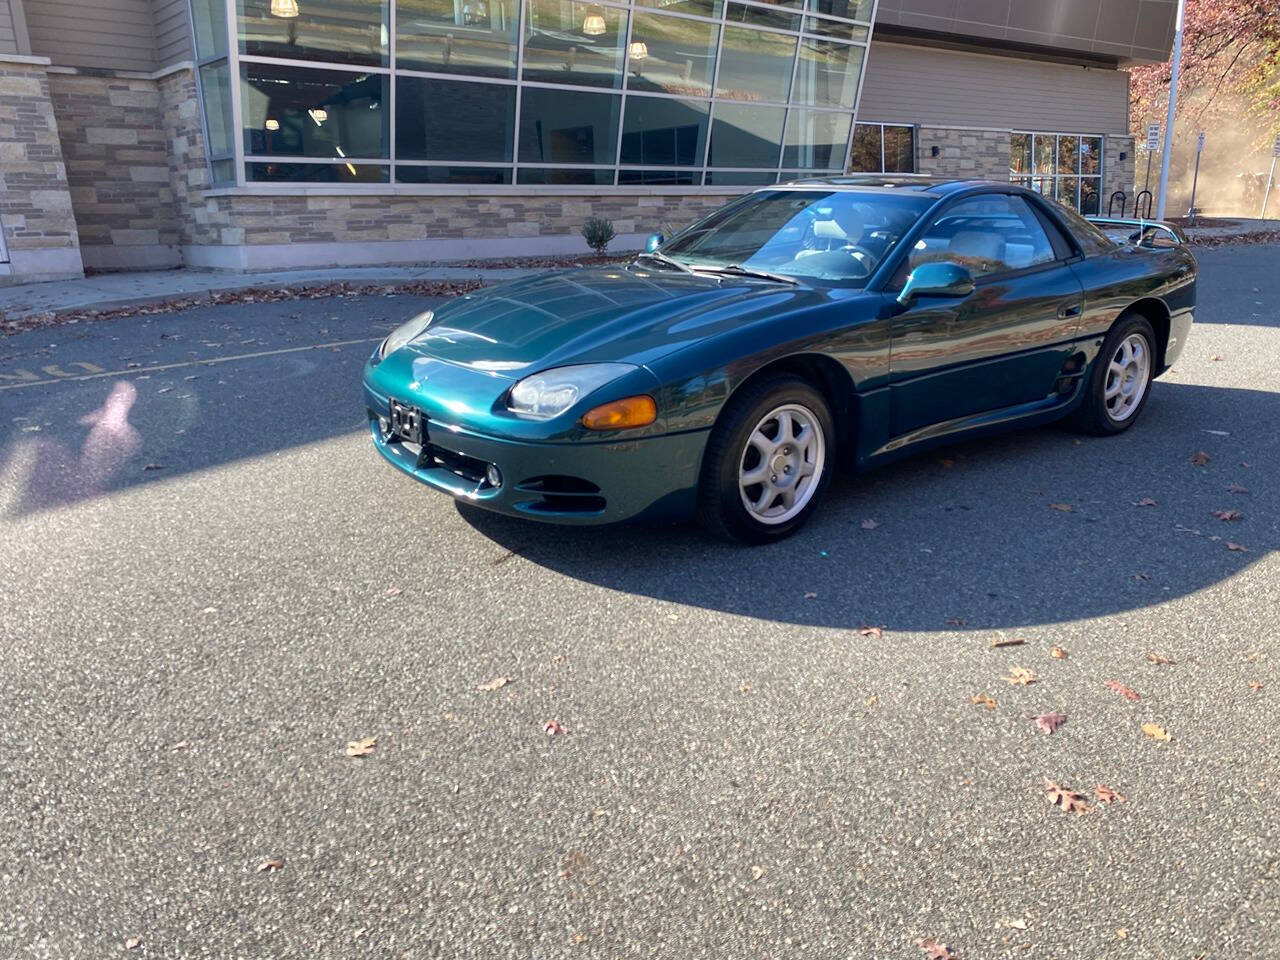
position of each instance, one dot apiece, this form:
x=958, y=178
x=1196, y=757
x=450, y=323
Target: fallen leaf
x=1236, y=488
x=154, y=466
x=578, y=939
x=1227, y=515
x=180, y=745
x=744, y=688
x=1237, y=547
x=1015, y=642
x=1256, y=686
x=934, y=950
x=1021, y=677
x=870, y=524
x=1144, y=502
x=757, y=873
x=872, y=701
x=1142, y=576
x=1108, y=796
x=1017, y=924
x=1049, y=722
x=982, y=700
x=956, y=622
x=1159, y=659
x=1061, y=507
x=1068, y=800
x=394, y=591
x=1122, y=933
x=1245, y=465
x=270, y=866
x=1156, y=732
x=1058, y=653
x=876, y=632
x=497, y=683
x=1121, y=689
x=946, y=463
x=1200, y=458
x=361, y=748
x=1215, y=358
x=133, y=943
x=552, y=727
x=811, y=596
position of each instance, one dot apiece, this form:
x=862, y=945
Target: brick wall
x=964, y=154
x=35, y=205
x=118, y=169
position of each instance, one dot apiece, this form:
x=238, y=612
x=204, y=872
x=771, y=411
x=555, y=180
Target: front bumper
x=574, y=483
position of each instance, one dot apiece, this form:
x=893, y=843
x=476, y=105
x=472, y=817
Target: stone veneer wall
x=188, y=168
x=1119, y=174
x=118, y=169
x=35, y=204
x=964, y=154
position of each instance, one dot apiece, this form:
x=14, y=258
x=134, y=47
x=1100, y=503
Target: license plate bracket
x=407, y=423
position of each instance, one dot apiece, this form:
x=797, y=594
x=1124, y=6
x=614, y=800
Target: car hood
x=623, y=314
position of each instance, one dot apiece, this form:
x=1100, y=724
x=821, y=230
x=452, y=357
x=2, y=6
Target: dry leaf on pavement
x=552, y=727
x=394, y=591
x=933, y=950
x=270, y=866
x=876, y=632
x=982, y=700
x=1156, y=732
x=757, y=873
x=1121, y=689
x=1144, y=502
x=1108, y=796
x=1015, y=642
x=361, y=748
x=1144, y=577
x=1068, y=800
x=956, y=622
x=1236, y=547
x=1227, y=515
x=1061, y=507
x=1058, y=653
x=133, y=943
x=1159, y=659
x=497, y=683
x=154, y=466
x=1020, y=676
x=1236, y=488
x=1049, y=722
x=810, y=595
x=1200, y=458
x=1256, y=686
x=870, y=524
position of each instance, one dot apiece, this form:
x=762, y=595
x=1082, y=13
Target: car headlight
x=552, y=392
x=405, y=333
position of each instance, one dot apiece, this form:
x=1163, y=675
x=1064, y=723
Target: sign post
x=1153, y=144
x=1195, y=178
x=1275, y=152
x=1173, y=106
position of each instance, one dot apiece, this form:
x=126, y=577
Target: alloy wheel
x=1128, y=374
x=782, y=464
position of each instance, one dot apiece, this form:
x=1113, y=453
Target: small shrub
x=598, y=232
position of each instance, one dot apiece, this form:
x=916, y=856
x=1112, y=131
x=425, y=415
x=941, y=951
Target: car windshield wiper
x=738, y=270
x=663, y=258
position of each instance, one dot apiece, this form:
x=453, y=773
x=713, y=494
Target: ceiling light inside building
x=593, y=24
x=638, y=50
x=284, y=8
x=319, y=115
x=272, y=125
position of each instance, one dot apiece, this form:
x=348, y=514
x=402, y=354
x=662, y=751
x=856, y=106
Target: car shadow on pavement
x=1038, y=526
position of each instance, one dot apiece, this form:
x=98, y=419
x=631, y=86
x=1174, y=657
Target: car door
x=1003, y=345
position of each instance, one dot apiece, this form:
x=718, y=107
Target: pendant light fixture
x=593, y=24
x=285, y=9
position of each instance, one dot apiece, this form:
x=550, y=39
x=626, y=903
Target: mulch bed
x=538, y=263
x=422, y=288
x=1258, y=237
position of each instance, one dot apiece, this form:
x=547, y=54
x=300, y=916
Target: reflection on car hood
x=632, y=315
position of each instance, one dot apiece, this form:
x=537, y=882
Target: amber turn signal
x=632, y=412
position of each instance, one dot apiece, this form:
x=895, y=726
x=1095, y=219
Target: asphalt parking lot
x=211, y=584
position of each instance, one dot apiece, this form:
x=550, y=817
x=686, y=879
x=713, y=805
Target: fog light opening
x=384, y=427
x=493, y=476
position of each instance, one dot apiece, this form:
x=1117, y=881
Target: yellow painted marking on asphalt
x=28, y=379
x=54, y=370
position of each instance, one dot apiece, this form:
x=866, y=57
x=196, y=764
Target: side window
x=993, y=233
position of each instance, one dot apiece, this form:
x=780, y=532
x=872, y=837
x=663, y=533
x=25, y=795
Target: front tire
x=768, y=461
x=1120, y=384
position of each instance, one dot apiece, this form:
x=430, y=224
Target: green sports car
x=729, y=371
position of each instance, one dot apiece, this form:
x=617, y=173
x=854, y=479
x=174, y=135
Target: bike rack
x=1137, y=205
x=1111, y=204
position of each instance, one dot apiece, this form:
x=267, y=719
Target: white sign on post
x=1200, y=143
x=1153, y=137
x=1275, y=148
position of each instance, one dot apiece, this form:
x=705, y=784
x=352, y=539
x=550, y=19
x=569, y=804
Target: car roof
x=892, y=183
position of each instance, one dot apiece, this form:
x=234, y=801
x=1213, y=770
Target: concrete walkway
x=113, y=290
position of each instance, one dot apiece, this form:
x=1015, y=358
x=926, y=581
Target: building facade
x=254, y=134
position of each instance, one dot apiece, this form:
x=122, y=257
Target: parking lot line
x=25, y=378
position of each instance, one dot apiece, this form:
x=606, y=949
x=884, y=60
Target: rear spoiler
x=1142, y=233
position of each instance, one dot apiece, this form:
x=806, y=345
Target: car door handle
x=1071, y=310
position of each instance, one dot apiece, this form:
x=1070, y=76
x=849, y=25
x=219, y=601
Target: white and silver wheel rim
x=782, y=464
x=1127, y=376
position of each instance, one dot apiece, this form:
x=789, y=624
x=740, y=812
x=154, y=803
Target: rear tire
x=768, y=462
x=1120, y=383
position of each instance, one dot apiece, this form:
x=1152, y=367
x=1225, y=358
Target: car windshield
x=815, y=234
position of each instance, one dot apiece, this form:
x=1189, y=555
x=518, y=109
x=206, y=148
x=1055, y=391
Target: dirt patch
x=422, y=288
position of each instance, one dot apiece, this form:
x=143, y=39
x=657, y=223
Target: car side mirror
x=936, y=280
x=654, y=242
